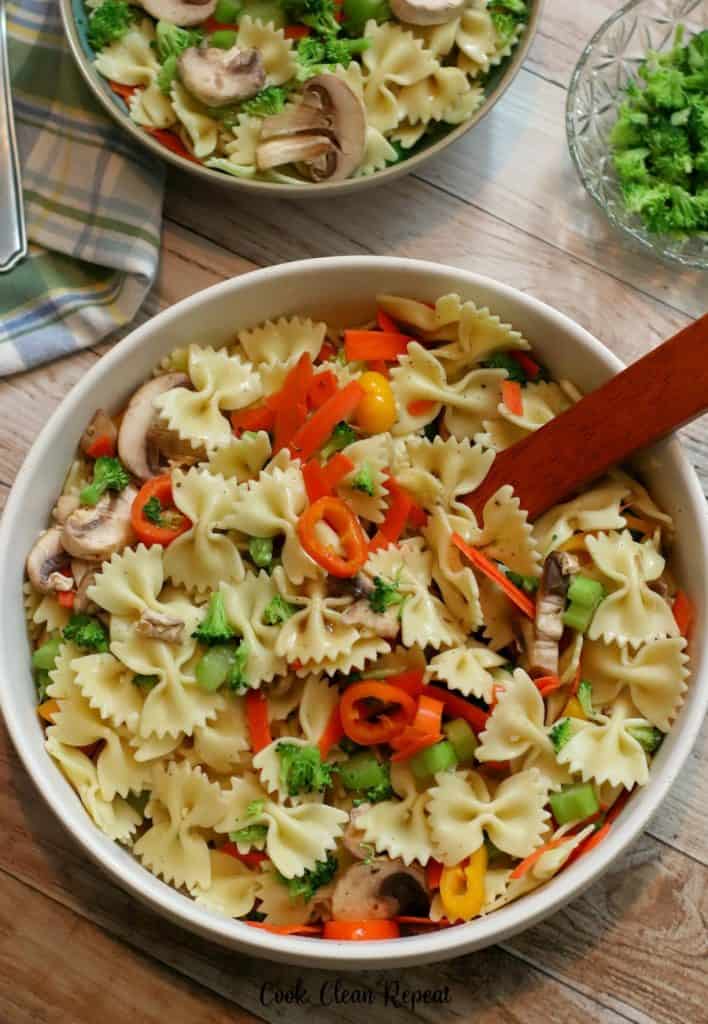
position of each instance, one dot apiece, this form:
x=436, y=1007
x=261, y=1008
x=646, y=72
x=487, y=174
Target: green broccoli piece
x=506, y=17
x=385, y=595
x=310, y=50
x=584, y=696
x=87, y=632
x=319, y=15
x=270, y=100
x=152, y=510
x=305, y=886
x=260, y=550
x=374, y=795
x=647, y=736
x=560, y=734
x=317, y=55
x=251, y=835
x=364, y=480
x=341, y=436
x=145, y=682
x=529, y=584
x=171, y=40
x=277, y=611
x=255, y=808
x=631, y=164
x=665, y=85
x=167, y=74
x=108, y=475
x=214, y=628
x=356, y=13
x=505, y=361
x=109, y=22
x=302, y=769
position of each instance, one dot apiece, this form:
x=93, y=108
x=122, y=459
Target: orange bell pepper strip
x=398, y=710
x=258, y=417
x=150, y=533
x=511, y=396
x=102, y=446
x=313, y=434
x=485, y=565
x=322, y=387
x=290, y=403
x=251, y=859
x=683, y=613
x=458, y=707
x=424, y=730
x=365, y=345
x=340, y=518
x=257, y=720
x=48, y=710
x=361, y=931
x=332, y=734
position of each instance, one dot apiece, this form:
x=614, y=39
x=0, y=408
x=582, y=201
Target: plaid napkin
x=93, y=203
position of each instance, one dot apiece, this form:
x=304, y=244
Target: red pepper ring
x=340, y=518
x=373, y=728
x=150, y=533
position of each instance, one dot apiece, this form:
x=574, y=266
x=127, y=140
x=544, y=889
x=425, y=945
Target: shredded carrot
x=421, y=406
x=485, y=565
x=124, y=91
x=683, y=612
x=547, y=684
x=528, y=862
x=511, y=396
x=363, y=345
x=618, y=806
x=589, y=844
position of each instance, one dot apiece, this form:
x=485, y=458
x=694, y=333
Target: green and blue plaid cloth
x=93, y=203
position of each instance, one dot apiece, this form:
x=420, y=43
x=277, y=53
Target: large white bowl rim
x=343, y=286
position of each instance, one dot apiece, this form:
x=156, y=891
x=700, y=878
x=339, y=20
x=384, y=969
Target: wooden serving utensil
x=659, y=393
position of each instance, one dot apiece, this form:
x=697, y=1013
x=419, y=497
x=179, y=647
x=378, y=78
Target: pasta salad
x=297, y=91
x=279, y=658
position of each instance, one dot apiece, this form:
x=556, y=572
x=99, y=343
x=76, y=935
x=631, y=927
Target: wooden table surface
x=504, y=201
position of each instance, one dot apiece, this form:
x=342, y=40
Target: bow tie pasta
x=279, y=658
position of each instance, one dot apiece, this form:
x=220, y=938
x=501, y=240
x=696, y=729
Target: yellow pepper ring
x=376, y=412
x=462, y=887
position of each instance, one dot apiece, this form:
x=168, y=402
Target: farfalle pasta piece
x=655, y=676
x=220, y=743
x=284, y=696
x=233, y=888
x=480, y=334
x=395, y=58
x=605, y=750
x=441, y=471
x=499, y=615
x=439, y=320
x=599, y=508
x=275, y=50
x=43, y=611
x=467, y=669
x=372, y=453
x=477, y=39
x=200, y=132
x=130, y=60
x=221, y=383
x=240, y=458
x=506, y=534
x=317, y=703
x=364, y=650
x=268, y=764
x=316, y=631
x=245, y=604
x=541, y=402
x=202, y=556
x=457, y=582
x=516, y=731
x=430, y=98
x=282, y=342
x=151, y=108
x=108, y=687
x=632, y=613
x=184, y=807
x=398, y=827
x=640, y=499
x=297, y=836
x=462, y=811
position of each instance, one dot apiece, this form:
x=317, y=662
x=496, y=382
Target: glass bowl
x=607, y=63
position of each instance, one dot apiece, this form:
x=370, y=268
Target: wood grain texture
x=504, y=201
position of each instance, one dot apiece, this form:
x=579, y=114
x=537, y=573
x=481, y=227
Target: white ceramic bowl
x=339, y=288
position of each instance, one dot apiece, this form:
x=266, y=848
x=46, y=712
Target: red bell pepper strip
x=291, y=402
x=527, y=364
x=172, y=142
x=257, y=719
x=251, y=859
x=433, y=872
x=332, y=734
x=323, y=386
x=396, y=517
x=315, y=482
x=102, y=446
x=339, y=466
x=125, y=92
x=313, y=434
x=386, y=323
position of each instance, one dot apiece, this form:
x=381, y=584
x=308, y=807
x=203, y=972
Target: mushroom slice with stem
x=558, y=569
x=84, y=574
x=427, y=12
x=66, y=504
x=218, y=77
x=46, y=561
x=101, y=425
x=384, y=624
x=95, y=533
x=380, y=889
x=135, y=450
x=159, y=626
x=184, y=13
x=324, y=135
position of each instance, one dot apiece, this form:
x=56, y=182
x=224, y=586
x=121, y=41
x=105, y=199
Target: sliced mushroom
x=84, y=574
x=550, y=605
x=100, y=426
x=134, y=448
x=385, y=624
x=427, y=12
x=218, y=77
x=94, y=534
x=325, y=135
x=159, y=626
x=46, y=561
x=176, y=450
x=66, y=504
x=179, y=12
x=380, y=889
x=353, y=838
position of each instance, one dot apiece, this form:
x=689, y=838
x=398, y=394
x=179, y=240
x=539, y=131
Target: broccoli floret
x=277, y=610
x=506, y=17
x=341, y=436
x=214, y=628
x=505, y=361
x=109, y=22
x=317, y=14
x=560, y=734
x=384, y=791
x=236, y=679
x=145, y=682
x=364, y=480
x=86, y=632
x=305, y=886
x=310, y=50
x=302, y=769
x=260, y=550
x=152, y=510
x=356, y=13
x=270, y=100
x=108, y=475
x=529, y=584
x=251, y=835
x=647, y=736
x=385, y=595
x=631, y=165
x=167, y=74
x=171, y=40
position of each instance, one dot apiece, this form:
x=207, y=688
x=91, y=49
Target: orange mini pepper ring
x=377, y=728
x=150, y=533
x=340, y=518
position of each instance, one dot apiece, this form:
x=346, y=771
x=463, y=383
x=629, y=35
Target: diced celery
x=362, y=771
x=647, y=736
x=574, y=803
x=213, y=667
x=462, y=737
x=584, y=595
x=438, y=758
x=45, y=656
x=227, y=12
x=224, y=39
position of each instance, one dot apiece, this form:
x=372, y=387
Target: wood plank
x=563, y=32
x=53, y=968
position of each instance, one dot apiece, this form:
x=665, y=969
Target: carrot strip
x=332, y=734
x=334, y=471
x=259, y=418
x=124, y=91
x=323, y=386
x=257, y=719
x=683, y=612
x=286, y=929
x=511, y=396
x=313, y=434
x=363, y=345
x=547, y=684
x=291, y=408
x=458, y=706
x=589, y=844
x=315, y=482
x=485, y=565
x=421, y=406
x=528, y=862
x=617, y=807
x=386, y=323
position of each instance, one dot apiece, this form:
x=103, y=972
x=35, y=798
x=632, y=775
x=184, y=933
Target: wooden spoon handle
x=663, y=390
